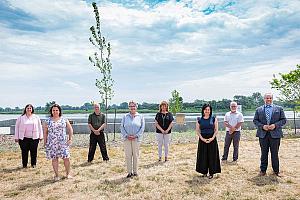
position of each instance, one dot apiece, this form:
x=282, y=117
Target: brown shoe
x=129, y=175
x=223, y=162
x=234, y=162
x=278, y=174
x=261, y=173
x=135, y=174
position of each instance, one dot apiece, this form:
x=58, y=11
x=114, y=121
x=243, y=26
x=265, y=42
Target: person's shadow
x=157, y=163
x=11, y=170
x=36, y=184
x=25, y=186
x=83, y=164
x=198, y=180
x=264, y=180
x=117, y=181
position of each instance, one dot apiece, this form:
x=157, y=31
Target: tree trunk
x=106, y=127
x=295, y=126
x=115, y=124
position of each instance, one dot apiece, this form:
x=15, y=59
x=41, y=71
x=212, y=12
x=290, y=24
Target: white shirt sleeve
x=226, y=118
x=241, y=118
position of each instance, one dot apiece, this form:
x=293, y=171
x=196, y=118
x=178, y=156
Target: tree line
x=248, y=103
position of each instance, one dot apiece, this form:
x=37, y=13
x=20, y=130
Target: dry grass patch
x=175, y=179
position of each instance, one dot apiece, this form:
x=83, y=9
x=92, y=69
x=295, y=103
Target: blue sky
x=204, y=49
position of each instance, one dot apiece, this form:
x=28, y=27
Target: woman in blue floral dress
x=56, y=140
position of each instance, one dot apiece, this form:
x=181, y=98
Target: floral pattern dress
x=57, y=146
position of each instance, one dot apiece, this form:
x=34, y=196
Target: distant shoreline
x=120, y=111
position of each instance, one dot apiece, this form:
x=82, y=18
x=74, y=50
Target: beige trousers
x=131, y=148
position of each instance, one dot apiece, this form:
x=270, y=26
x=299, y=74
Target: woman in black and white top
x=163, y=124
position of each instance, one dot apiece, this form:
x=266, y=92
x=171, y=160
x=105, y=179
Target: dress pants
x=100, y=139
x=273, y=144
x=26, y=145
x=235, y=137
x=163, y=139
x=131, y=148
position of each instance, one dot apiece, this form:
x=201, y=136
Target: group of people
x=208, y=161
x=57, y=133
x=269, y=120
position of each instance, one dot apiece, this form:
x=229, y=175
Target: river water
x=188, y=116
x=247, y=116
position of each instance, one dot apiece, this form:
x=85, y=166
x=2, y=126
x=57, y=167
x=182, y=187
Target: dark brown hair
x=204, y=107
x=28, y=105
x=56, y=106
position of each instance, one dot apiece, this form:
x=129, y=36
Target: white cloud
x=73, y=85
x=155, y=49
x=242, y=81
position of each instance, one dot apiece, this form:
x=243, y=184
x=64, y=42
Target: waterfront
x=189, y=116
x=79, y=122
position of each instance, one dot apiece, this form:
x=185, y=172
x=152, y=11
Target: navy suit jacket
x=278, y=118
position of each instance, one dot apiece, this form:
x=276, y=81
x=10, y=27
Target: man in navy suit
x=269, y=120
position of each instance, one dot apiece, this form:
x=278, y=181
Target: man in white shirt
x=233, y=121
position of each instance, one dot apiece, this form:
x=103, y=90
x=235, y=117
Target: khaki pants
x=131, y=148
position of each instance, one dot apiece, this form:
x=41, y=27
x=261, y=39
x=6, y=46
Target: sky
x=204, y=49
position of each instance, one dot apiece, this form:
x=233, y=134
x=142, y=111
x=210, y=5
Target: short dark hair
x=204, y=107
x=56, y=106
x=28, y=105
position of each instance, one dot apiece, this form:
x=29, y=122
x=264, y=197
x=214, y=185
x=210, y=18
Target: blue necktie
x=268, y=114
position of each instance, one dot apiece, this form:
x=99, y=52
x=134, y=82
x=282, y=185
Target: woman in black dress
x=208, y=160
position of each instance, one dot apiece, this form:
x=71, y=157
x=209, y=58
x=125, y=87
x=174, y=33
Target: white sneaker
x=69, y=176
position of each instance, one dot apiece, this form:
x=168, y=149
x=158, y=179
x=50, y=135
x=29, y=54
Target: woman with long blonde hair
x=163, y=124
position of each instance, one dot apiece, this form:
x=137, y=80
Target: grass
x=175, y=179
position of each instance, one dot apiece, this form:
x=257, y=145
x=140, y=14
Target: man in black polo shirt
x=96, y=123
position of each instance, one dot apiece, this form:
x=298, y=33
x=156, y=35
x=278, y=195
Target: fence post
x=115, y=124
x=295, y=126
x=180, y=120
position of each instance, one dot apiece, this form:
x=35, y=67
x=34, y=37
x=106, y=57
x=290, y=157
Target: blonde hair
x=132, y=102
x=164, y=103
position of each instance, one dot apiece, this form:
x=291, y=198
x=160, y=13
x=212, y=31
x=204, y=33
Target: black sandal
x=210, y=176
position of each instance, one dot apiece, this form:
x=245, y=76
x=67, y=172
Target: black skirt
x=208, y=160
